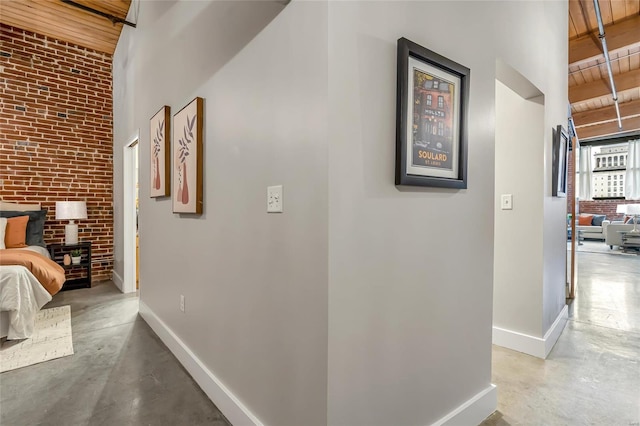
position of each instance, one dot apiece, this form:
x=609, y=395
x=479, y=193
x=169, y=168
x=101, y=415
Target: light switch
x=274, y=199
x=507, y=202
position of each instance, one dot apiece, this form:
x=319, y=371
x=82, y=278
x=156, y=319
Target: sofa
x=612, y=235
x=591, y=226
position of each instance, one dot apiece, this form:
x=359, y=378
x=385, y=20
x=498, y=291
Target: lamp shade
x=633, y=209
x=621, y=208
x=71, y=210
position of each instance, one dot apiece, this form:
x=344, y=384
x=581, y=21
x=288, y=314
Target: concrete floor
x=592, y=375
x=121, y=374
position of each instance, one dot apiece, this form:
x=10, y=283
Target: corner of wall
x=531, y=345
x=473, y=411
x=117, y=280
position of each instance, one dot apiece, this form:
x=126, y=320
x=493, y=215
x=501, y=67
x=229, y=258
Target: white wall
x=530, y=245
x=255, y=284
x=364, y=303
x=556, y=81
x=518, y=262
x=410, y=270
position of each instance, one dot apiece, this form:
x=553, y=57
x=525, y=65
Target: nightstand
x=57, y=252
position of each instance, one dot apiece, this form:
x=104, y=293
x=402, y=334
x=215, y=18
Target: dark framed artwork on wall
x=431, y=118
x=187, y=158
x=160, y=172
x=559, y=164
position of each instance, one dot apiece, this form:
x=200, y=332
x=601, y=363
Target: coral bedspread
x=48, y=272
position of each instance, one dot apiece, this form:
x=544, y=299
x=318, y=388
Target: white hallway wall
x=518, y=266
x=530, y=245
x=410, y=282
x=255, y=284
x=395, y=286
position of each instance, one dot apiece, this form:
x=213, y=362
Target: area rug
x=600, y=247
x=51, y=339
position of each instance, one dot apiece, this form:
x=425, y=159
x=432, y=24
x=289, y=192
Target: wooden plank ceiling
x=68, y=23
x=592, y=105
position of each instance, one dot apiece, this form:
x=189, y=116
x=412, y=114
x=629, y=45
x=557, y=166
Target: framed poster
x=559, y=164
x=431, y=118
x=187, y=158
x=160, y=155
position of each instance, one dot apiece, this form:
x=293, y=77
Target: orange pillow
x=15, y=234
x=585, y=219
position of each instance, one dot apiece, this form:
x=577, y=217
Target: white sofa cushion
x=593, y=232
x=612, y=236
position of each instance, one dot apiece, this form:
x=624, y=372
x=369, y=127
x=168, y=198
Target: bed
x=28, y=277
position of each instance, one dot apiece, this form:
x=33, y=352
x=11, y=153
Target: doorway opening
x=529, y=308
x=130, y=217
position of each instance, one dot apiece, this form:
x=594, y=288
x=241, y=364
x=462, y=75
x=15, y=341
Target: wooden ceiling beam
x=600, y=88
x=608, y=113
x=609, y=128
x=620, y=36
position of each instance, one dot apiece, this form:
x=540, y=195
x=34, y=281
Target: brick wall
x=56, y=134
x=606, y=207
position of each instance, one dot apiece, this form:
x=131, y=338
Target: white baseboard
x=552, y=336
x=474, y=411
x=229, y=404
x=531, y=345
x=117, y=280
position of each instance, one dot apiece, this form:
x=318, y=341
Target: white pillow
x=3, y=226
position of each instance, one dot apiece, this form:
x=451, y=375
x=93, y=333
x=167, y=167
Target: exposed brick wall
x=56, y=134
x=606, y=207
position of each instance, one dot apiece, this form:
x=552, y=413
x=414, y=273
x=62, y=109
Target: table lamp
x=634, y=210
x=621, y=209
x=71, y=210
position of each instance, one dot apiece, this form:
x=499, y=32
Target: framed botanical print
x=187, y=158
x=159, y=131
x=431, y=118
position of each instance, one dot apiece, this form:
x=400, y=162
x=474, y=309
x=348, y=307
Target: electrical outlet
x=507, y=202
x=182, y=303
x=274, y=199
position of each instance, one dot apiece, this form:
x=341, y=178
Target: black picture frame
x=431, y=118
x=560, y=165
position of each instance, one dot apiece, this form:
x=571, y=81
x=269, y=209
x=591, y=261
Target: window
x=429, y=97
x=440, y=128
x=605, y=157
x=440, y=102
x=435, y=84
